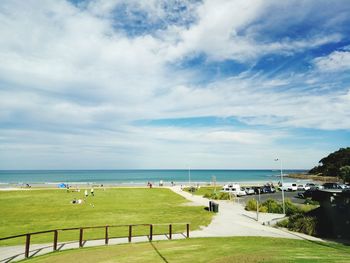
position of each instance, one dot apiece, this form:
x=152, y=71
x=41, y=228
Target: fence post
x=170, y=231
x=150, y=232
x=81, y=238
x=188, y=230
x=55, y=237
x=106, y=236
x=130, y=233
x=26, y=253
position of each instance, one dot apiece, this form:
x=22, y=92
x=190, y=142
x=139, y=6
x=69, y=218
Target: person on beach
x=92, y=191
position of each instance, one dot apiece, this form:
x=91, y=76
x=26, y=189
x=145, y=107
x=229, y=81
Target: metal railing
x=106, y=235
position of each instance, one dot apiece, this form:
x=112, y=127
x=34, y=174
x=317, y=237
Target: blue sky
x=171, y=84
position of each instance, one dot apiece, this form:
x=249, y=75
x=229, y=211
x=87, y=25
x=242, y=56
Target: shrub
x=217, y=196
x=263, y=209
x=291, y=208
x=192, y=189
x=283, y=223
x=309, y=201
x=303, y=224
x=273, y=206
x=251, y=206
x=224, y=196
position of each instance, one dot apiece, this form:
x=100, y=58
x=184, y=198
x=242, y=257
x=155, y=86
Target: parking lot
x=293, y=196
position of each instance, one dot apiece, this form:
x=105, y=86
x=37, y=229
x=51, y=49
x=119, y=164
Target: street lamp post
x=284, y=208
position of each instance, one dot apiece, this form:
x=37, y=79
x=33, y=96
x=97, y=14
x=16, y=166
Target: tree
x=330, y=165
x=345, y=173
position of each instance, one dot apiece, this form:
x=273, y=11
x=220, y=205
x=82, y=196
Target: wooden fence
x=106, y=236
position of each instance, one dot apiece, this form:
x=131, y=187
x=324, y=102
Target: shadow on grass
x=156, y=250
x=321, y=243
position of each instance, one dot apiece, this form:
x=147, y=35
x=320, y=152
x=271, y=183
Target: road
x=293, y=196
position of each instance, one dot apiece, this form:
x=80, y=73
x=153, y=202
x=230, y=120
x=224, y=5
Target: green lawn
x=36, y=210
x=230, y=249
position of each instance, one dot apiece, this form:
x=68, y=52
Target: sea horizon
x=140, y=176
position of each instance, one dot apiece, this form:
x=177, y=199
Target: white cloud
x=336, y=61
x=217, y=32
x=72, y=82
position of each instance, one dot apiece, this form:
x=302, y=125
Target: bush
x=224, y=196
x=283, y=223
x=308, y=201
x=291, y=209
x=217, y=196
x=263, y=209
x=303, y=224
x=251, y=206
x=214, y=196
x=192, y=189
x=273, y=206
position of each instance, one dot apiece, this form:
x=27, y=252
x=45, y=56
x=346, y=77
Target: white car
x=234, y=189
x=289, y=187
x=303, y=187
x=249, y=191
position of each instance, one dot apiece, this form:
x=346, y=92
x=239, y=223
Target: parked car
x=257, y=189
x=249, y=191
x=308, y=193
x=313, y=185
x=234, y=189
x=304, y=187
x=289, y=187
x=268, y=189
x=331, y=186
x=344, y=186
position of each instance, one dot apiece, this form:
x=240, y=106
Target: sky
x=113, y=84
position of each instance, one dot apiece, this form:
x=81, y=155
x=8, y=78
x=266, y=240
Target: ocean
x=128, y=177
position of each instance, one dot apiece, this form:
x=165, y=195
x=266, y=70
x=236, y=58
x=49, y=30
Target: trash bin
x=215, y=208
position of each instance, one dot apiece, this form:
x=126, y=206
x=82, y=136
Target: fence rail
x=106, y=234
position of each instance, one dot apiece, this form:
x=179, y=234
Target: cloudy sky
x=100, y=84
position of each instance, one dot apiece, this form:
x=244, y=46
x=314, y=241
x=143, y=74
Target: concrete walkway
x=232, y=220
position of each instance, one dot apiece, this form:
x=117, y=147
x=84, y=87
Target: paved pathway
x=232, y=220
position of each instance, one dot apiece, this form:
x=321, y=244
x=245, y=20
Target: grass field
x=36, y=210
x=231, y=249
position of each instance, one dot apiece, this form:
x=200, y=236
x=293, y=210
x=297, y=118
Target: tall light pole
x=282, y=187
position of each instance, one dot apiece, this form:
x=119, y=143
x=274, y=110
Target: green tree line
x=335, y=164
